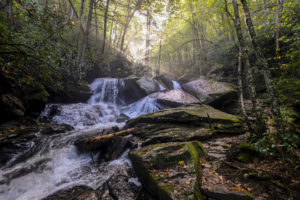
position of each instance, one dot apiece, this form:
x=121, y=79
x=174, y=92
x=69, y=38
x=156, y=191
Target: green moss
x=244, y=157
x=196, y=150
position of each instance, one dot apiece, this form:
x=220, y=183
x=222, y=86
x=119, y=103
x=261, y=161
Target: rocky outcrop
x=11, y=107
x=170, y=170
x=72, y=93
x=196, y=114
x=166, y=81
x=148, y=84
x=169, y=162
x=19, y=142
x=210, y=92
x=131, y=91
x=174, y=98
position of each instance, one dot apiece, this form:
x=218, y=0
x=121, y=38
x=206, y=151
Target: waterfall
x=106, y=90
x=176, y=85
x=57, y=164
x=143, y=106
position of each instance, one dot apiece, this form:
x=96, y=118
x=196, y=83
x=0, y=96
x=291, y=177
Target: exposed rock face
x=210, y=91
x=170, y=170
x=148, y=84
x=11, y=107
x=17, y=143
x=122, y=186
x=174, y=98
x=131, y=91
x=201, y=115
x=168, y=164
x=166, y=81
x=72, y=93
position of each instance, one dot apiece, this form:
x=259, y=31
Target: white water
x=58, y=165
x=176, y=85
x=143, y=106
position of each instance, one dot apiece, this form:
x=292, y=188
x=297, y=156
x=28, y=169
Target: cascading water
x=57, y=165
x=176, y=85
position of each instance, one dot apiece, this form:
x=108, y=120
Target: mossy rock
x=170, y=170
x=167, y=132
x=202, y=116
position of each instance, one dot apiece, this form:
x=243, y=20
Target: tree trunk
x=105, y=26
x=148, y=37
x=159, y=57
x=129, y=17
x=79, y=29
x=279, y=11
x=244, y=60
x=86, y=33
x=96, y=22
x=265, y=67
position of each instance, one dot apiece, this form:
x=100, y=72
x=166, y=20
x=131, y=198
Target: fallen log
x=105, y=138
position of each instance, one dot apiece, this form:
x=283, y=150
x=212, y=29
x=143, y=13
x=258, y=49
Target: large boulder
x=170, y=170
x=194, y=114
x=170, y=125
x=148, y=84
x=174, y=98
x=166, y=81
x=210, y=92
x=131, y=91
x=72, y=93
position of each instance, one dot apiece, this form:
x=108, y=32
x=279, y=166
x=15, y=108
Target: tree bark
x=105, y=138
x=96, y=22
x=128, y=19
x=244, y=61
x=79, y=29
x=148, y=37
x=279, y=11
x=86, y=33
x=105, y=26
x=265, y=67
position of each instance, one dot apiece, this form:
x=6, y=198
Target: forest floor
x=264, y=178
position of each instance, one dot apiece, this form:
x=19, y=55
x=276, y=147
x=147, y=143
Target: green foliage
x=33, y=44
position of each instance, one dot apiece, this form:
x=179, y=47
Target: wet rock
x=35, y=98
x=131, y=91
x=10, y=107
x=122, y=187
x=17, y=144
x=148, y=84
x=166, y=81
x=221, y=192
x=72, y=93
x=56, y=128
x=164, y=133
x=122, y=118
x=210, y=92
x=107, y=151
x=203, y=116
x=170, y=170
x=174, y=98
x=75, y=193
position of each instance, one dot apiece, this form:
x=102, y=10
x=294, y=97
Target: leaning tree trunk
x=265, y=67
x=260, y=125
x=279, y=11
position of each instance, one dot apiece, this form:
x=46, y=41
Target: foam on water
x=58, y=165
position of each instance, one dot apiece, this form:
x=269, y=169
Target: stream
x=57, y=164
